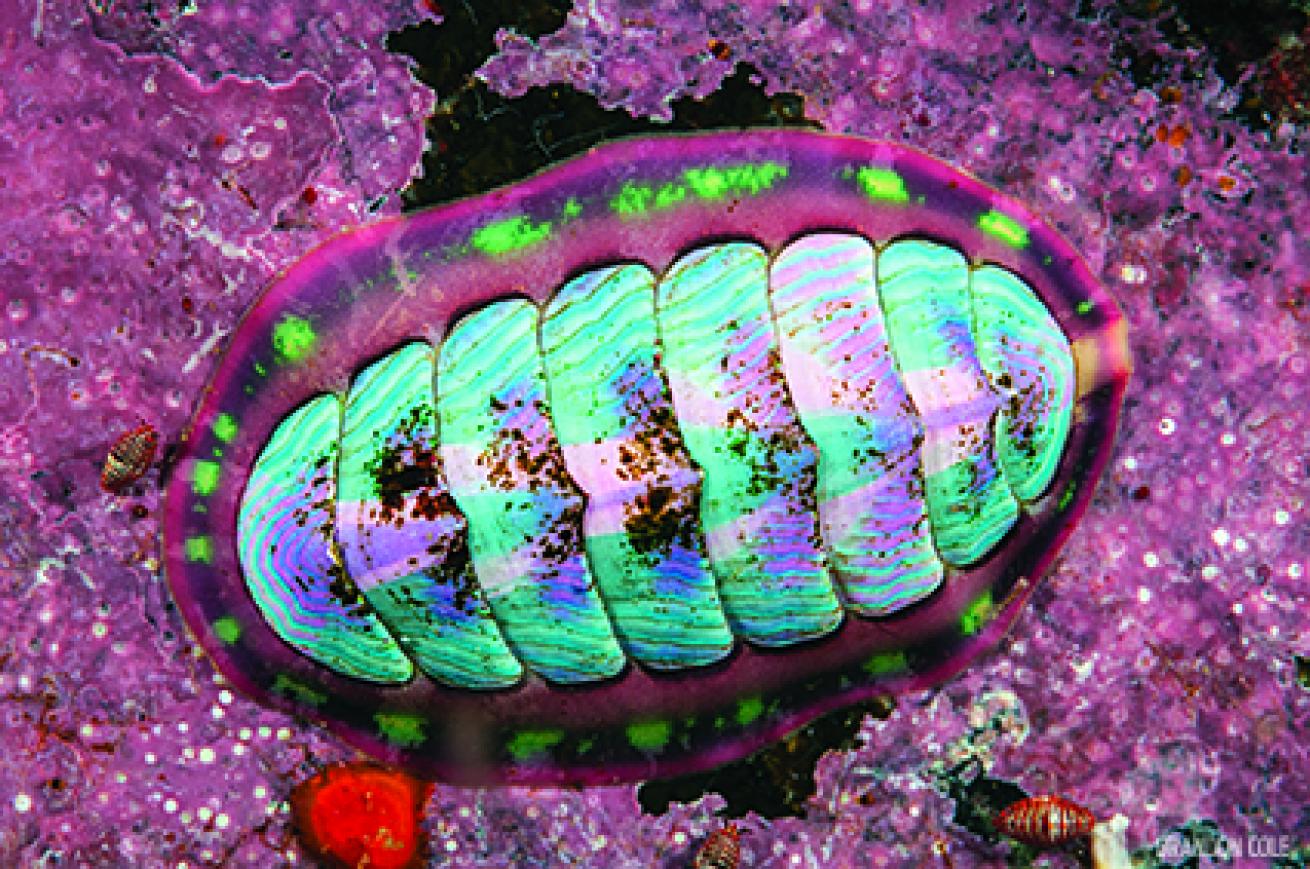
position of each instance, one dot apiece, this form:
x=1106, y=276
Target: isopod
x=1045, y=820
x=129, y=458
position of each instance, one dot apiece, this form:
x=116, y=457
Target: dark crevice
x=1262, y=40
x=776, y=781
x=479, y=140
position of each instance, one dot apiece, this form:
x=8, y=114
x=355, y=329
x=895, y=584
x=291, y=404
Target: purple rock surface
x=157, y=169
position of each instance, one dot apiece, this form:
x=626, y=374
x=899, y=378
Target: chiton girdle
x=653, y=205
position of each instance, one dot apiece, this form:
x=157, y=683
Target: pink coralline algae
x=155, y=173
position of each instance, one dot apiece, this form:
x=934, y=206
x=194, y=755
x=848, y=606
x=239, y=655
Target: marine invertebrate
x=634, y=466
x=129, y=458
x=1045, y=820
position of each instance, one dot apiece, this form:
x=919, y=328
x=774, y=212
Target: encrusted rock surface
x=160, y=163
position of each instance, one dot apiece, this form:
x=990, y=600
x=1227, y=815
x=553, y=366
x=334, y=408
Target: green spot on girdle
x=632, y=198
x=227, y=629
x=402, y=728
x=670, y=195
x=883, y=185
x=531, y=743
x=1006, y=228
x=705, y=182
x=977, y=614
x=714, y=182
x=1066, y=497
x=199, y=549
x=1085, y=307
x=225, y=427
x=204, y=479
x=293, y=338
x=748, y=709
x=510, y=234
x=290, y=687
x=886, y=662
x=649, y=735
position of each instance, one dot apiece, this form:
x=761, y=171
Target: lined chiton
x=631, y=467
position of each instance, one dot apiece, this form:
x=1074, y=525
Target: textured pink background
x=151, y=182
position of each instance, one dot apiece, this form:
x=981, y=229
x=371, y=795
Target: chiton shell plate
x=631, y=467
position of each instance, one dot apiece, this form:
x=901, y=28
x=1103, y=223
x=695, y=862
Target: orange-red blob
x=1176, y=136
x=362, y=816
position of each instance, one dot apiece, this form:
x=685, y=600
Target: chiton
x=1045, y=821
x=631, y=467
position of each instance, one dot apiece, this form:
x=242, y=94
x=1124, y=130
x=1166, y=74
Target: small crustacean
x=1045, y=821
x=722, y=850
x=129, y=458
